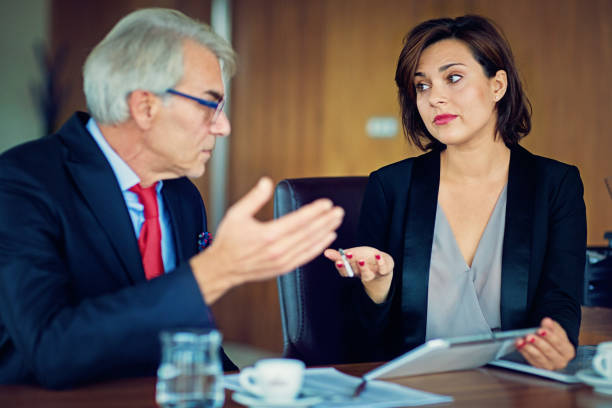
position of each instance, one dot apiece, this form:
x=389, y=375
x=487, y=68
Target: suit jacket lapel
x=418, y=239
x=172, y=199
x=95, y=179
x=517, y=238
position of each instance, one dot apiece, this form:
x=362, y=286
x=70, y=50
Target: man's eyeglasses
x=217, y=106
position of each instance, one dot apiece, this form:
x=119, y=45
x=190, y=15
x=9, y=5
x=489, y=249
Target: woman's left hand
x=548, y=348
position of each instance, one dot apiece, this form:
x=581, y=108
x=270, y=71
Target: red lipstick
x=444, y=119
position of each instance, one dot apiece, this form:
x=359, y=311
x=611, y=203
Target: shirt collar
x=124, y=174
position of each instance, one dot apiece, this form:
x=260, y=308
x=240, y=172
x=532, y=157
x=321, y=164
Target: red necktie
x=149, y=240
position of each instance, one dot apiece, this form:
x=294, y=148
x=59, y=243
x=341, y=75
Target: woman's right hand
x=373, y=267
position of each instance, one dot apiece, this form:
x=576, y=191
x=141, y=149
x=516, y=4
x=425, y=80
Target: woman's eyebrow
x=441, y=69
x=447, y=66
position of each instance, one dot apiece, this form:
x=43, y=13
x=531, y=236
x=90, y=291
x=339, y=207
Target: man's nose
x=222, y=126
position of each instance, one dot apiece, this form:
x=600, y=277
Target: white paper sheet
x=337, y=389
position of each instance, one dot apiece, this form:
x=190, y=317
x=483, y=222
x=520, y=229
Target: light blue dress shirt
x=127, y=179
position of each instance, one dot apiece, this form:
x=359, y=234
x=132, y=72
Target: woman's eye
x=454, y=78
x=420, y=87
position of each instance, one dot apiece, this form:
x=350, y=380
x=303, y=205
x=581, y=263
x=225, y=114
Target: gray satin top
x=465, y=300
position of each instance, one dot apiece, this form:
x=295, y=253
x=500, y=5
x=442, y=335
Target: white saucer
x=254, y=402
x=599, y=383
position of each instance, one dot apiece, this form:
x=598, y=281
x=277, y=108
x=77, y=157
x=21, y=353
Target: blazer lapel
x=95, y=179
x=182, y=241
x=517, y=238
x=418, y=239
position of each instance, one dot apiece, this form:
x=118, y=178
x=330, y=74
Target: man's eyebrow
x=441, y=69
x=218, y=96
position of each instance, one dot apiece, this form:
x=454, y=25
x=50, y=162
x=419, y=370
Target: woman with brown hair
x=477, y=234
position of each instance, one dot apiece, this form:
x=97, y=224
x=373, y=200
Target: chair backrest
x=319, y=323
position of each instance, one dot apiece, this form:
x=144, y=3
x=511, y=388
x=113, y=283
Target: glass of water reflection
x=190, y=374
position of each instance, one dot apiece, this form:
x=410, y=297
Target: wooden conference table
x=483, y=387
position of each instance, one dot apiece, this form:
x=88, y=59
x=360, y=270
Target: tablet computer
x=456, y=353
x=583, y=360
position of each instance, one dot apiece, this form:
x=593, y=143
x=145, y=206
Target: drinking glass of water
x=190, y=374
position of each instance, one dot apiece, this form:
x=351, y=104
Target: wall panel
x=311, y=73
x=277, y=131
x=313, y=120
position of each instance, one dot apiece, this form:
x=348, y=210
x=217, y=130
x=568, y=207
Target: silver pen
x=347, y=265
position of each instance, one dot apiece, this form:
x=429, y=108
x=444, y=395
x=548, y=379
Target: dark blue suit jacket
x=543, y=251
x=74, y=302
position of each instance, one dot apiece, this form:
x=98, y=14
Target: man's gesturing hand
x=246, y=249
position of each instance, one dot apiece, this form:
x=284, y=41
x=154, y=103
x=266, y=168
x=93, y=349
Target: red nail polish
x=542, y=333
x=349, y=255
x=377, y=257
x=339, y=264
x=520, y=344
x=532, y=340
x=361, y=263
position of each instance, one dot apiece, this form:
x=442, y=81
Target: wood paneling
x=277, y=131
x=311, y=74
x=564, y=50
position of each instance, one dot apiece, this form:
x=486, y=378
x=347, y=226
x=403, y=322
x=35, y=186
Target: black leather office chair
x=319, y=323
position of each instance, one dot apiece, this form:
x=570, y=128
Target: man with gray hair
x=102, y=234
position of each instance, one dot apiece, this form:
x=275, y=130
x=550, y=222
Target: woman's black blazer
x=543, y=250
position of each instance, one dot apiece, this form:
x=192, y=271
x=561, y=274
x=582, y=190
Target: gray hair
x=144, y=51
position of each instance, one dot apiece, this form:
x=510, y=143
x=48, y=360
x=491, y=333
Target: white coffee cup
x=274, y=379
x=602, y=362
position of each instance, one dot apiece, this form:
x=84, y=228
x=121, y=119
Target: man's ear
x=499, y=85
x=143, y=106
